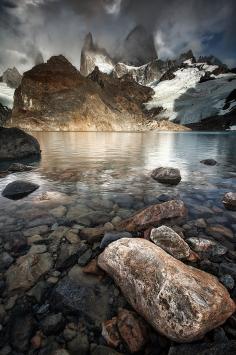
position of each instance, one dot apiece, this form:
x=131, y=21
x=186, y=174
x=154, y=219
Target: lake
x=111, y=171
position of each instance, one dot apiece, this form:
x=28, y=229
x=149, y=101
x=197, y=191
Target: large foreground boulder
x=16, y=144
x=179, y=301
x=154, y=215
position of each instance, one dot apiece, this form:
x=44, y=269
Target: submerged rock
x=110, y=237
x=27, y=270
x=17, y=167
x=81, y=294
x=229, y=201
x=179, y=301
x=169, y=176
x=217, y=348
x=154, y=215
x=167, y=239
x=16, y=144
x=210, y=162
x=19, y=189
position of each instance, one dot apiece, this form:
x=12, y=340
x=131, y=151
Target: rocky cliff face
x=138, y=48
x=5, y=114
x=55, y=96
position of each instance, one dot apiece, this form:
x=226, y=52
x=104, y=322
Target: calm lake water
x=82, y=169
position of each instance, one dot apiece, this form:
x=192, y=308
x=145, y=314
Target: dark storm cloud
x=28, y=27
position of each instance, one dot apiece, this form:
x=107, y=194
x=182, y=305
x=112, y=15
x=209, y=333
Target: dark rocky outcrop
x=5, y=114
x=16, y=144
x=55, y=96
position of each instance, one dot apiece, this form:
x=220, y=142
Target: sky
x=31, y=28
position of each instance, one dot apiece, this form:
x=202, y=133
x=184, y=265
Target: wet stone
x=19, y=189
x=5, y=261
x=210, y=162
x=110, y=237
x=53, y=324
x=227, y=281
x=85, y=257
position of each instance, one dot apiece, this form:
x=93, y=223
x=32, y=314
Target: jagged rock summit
x=138, y=47
x=12, y=78
x=92, y=55
x=55, y=96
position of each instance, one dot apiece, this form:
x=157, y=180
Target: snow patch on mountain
x=185, y=100
x=103, y=63
x=6, y=95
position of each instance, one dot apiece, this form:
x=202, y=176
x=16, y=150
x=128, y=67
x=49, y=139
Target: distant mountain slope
x=55, y=96
x=195, y=92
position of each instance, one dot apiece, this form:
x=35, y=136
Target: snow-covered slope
x=6, y=95
x=186, y=100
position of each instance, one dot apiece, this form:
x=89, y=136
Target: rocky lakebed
x=106, y=260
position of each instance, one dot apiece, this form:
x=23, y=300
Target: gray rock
x=19, y=189
x=5, y=261
x=16, y=144
x=68, y=255
x=103, y=350
x=21, y=331
x=227, y=281
x=53, y=324
x=228, y=348
x=168, y=176
x=167, y=239
x=210, y=162
x=79, y=296
x=110, y=237
x=43, y=229
x=18, y=167
x=207, y=247
x=38, y=249
x=228, y=268
x=85, y=257
x=27, y=270
x=124, y=201
x=229, y=201
x=79, y=345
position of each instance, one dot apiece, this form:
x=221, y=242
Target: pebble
x=227, y=281
x=85, y=257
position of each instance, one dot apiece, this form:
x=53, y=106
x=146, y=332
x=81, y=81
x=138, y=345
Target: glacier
x=6, y=95
x=185, y=100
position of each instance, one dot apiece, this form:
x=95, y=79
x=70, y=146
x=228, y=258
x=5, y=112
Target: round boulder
x=168, y=176
x=229, y=201
x=16, y=144
x=19, y=189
